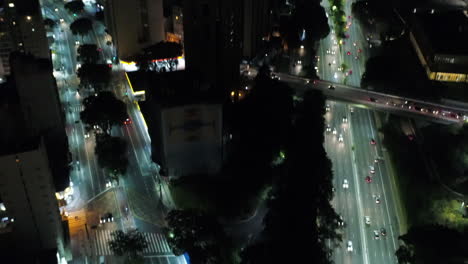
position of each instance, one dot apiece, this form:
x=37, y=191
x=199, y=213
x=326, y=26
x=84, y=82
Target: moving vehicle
x=345, y=184
x=372, y=141
x=367, y=219
x=368, y=179
x=376, y=234
x=340, y=138
x=350, y=246
x=331, y=87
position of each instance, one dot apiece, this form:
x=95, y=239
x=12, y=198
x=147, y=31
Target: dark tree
x=444, y=246
x=74, y=7
x=112, y=155
x=130, y=244
x=198, y=234
x=88, y=53
x=49, y=23
x=103, y=110
x=81, y=26
x=302, y=203
x=94, y=75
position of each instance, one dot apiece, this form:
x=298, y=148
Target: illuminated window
x=11, y=5
x=28, y=18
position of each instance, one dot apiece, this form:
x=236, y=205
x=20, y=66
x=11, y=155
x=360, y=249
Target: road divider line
x=356, y=187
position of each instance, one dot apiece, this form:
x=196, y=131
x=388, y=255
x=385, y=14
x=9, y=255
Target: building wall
x=28, y=194
x=256, y=25
x=38, y=94
x=134, y=25
x=191, y=139
x=212, y=36
x=21, y=29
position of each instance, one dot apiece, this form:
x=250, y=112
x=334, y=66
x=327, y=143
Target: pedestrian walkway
x=157, y=244
x=76, y=108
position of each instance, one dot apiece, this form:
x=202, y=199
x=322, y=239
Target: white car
x=328, y=129
x=377, y=199
x=376, y=234
x=340, y=138
x=327, y=108
x=350, y=246
x=334, y=131
x=367, y=218
x=345, y=184
x=345, y=119
x=372, y=169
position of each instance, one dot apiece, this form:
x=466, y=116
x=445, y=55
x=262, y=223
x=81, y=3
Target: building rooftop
x=173, y=88
x=447, y=32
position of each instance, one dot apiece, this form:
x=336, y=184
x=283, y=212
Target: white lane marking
x=361, y=214
x=381, y=182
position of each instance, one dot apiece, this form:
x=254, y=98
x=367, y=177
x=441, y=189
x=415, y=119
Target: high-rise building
x=134, y=25
x=37, y=91
x=257, y=23
x=31, y=228
x=21, y=29
x=212, y=37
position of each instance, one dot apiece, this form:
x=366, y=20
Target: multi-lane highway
x=365, y=192
x=140, y=199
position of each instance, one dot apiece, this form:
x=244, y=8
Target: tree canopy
x=301, y=196
x=444, y=245
x=49, y=23
x=75, y=6
x=88, y=53
x=103, y=110
x=81, y=26
x=94, y=75
x=112, y=155
x=198, y=234
x=129, y=244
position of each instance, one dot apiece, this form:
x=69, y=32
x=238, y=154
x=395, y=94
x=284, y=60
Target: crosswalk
x=76, y=108
x=157, y=244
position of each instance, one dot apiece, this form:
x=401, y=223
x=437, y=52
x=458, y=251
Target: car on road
x=348, y=53
x=328, y=129
x=86, y=135
x=351, y=109
x=341, y=221
x=377, y=199
x=372, y=99
x=327, y=108
x=368, y=179
x=340, y=138
x=383, y=232
x=350, y=246
x=334, y=131
x=106, y=218
x=345, y=119
x=345, y=184
x=371, y=169
x=376, y=234
x=372, y=141
x=127, y=121
x=331, y=87
x=367, y=219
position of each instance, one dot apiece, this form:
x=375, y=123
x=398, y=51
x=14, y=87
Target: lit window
x=14, y=23
x=32, y=29
x=28, y=18
x=11, y=5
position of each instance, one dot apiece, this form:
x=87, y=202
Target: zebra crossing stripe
x=148, y=241
x=165, y=245
x=152, y=243
x=160, y=247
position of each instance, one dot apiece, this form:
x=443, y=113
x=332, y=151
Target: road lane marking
x=360, y=210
